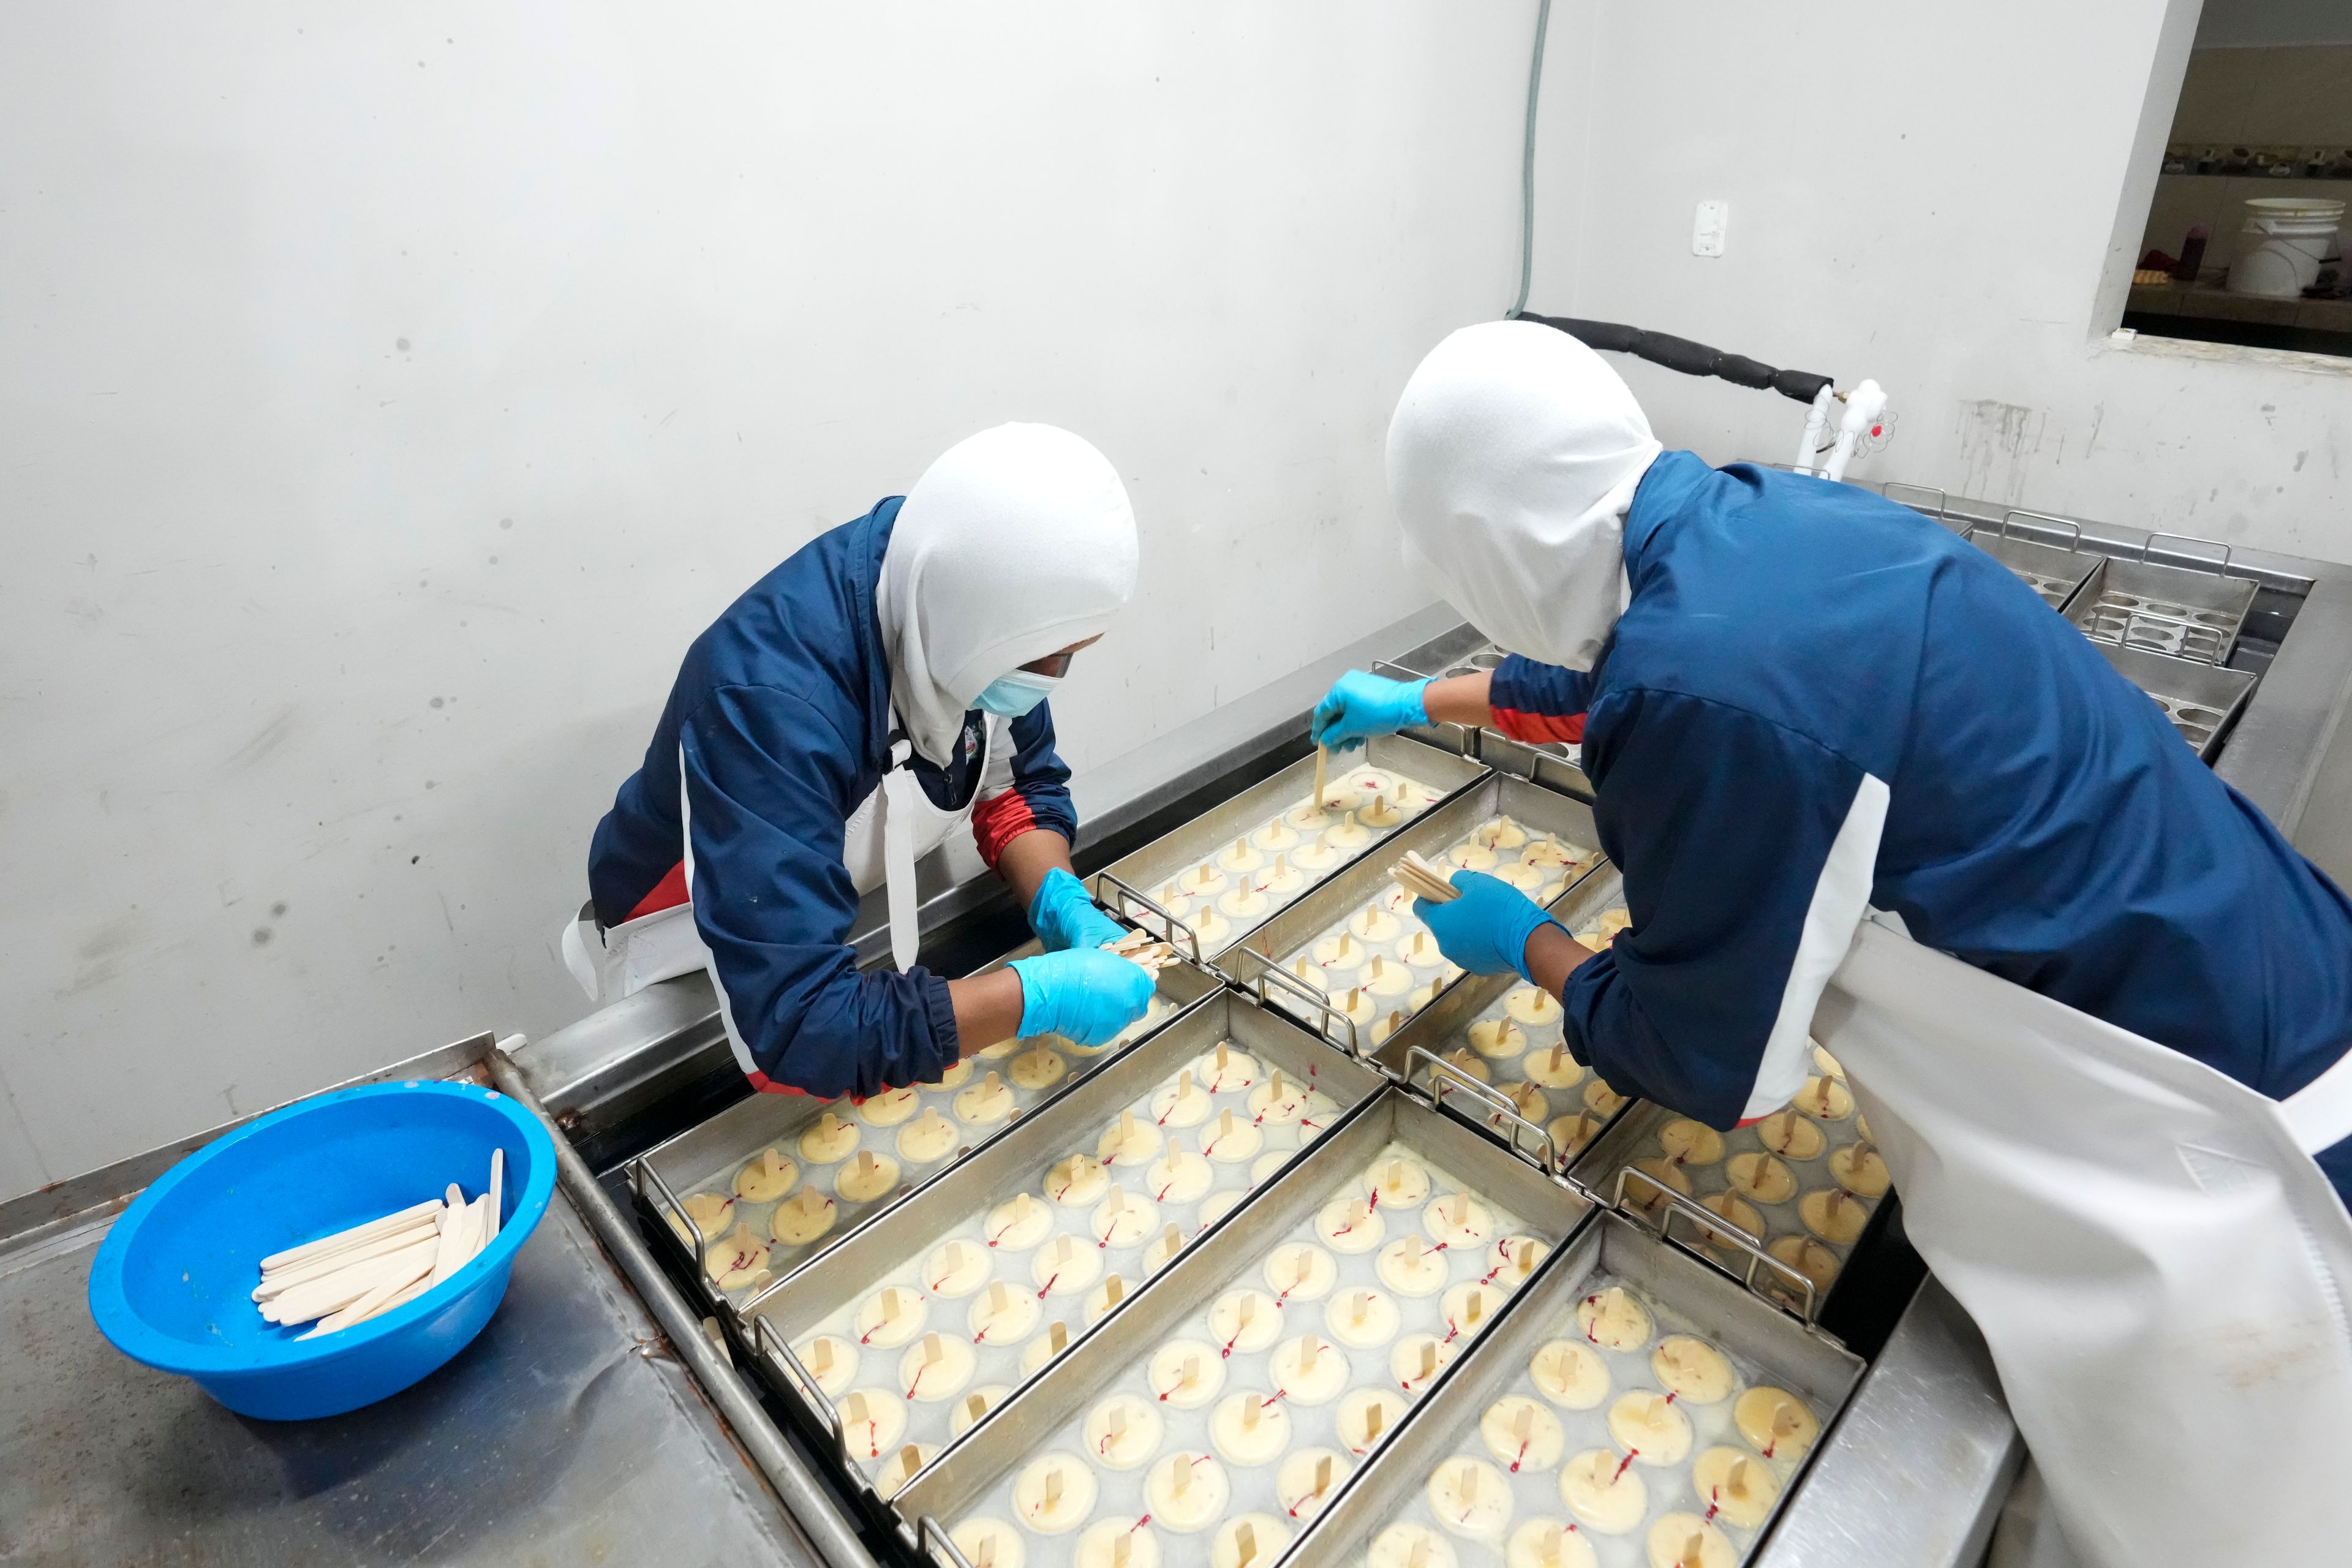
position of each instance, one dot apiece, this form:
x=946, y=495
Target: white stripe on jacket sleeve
x=1840, y=897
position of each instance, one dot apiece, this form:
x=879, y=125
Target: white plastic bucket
x=2283, y=245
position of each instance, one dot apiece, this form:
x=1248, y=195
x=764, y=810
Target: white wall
x=1937, y=198
x=387, y=394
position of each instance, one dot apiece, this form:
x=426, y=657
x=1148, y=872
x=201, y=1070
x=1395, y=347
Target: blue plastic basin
x=173, y=1284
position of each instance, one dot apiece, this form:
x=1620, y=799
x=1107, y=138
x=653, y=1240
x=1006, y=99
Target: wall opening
x=2245, y=237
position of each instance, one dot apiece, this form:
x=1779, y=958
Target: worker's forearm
x=1460, y=698
x=987, y=1006
x=1553, y=955
x=1024, y=861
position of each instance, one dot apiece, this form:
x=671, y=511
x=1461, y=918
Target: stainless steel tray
x=2165, y=609
x=781, y=1319
x=2203, y=700
x=1765, y=1348
x=2056, y=572
x=1261, y=963
x=1441, y=1031
x=1784, y=1232
x=1129, y=886
x=705, y=1157
x=962, y=1481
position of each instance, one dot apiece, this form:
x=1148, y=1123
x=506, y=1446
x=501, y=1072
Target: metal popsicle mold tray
x=1207, y=885
x=1735, y=1382
x=1814, y=1230
x=2201, y=700
x=1186, y=1359
x=2055, y=572
x=2164, y=609
x=696, y=1173
x=1353, y=959
x=958, y=1293
x=1502, y=1032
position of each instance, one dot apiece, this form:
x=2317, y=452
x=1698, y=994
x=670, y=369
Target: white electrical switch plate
x=1706, y=230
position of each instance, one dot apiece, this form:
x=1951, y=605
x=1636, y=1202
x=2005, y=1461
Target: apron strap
x=2320, y=1113
x=899, y=789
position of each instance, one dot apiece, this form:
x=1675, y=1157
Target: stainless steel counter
x=567, y=1433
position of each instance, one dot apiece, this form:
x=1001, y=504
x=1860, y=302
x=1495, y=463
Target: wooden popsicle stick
x=377, y=1297
x=356, y=1234
x=403, y=1297
x=1322, y=764
x=498, y=1193
x=1245, y=1544
x=322, y=1297
x=325, y=1297
x=319, y=1268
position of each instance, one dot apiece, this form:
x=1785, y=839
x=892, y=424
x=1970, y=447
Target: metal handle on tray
x=2227, y=550
x=1715, y=1227
x=1443, y=1075
x=1321, y=1002
x=641, y=1171
x=1189, y=937
x=2074, y=528
x=1943, y=497
x=771, y=1344
x=931, y=1536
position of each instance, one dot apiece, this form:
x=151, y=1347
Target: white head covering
x=1017, y=542
x=1513, y=456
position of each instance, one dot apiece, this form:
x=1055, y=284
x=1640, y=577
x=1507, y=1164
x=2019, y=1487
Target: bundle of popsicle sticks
x=1143, y=947
x=1423, y=879
x=355, y=1275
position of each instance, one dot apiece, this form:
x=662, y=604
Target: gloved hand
x=1360, y=706
x=1486, y=929
x=1064, y=917
x=1086, y=994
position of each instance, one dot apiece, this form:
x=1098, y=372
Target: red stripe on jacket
x=667, y=894
x=1521, y=726
x=997, y=823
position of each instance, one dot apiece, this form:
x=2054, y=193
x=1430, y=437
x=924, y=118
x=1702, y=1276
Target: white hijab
x=1017, y=542
x=1513, y=456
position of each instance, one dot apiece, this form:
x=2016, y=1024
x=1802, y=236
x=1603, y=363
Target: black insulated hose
x=1689, y=358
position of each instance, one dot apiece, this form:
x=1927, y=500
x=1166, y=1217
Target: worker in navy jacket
x=1797, y=702
x=883, y=686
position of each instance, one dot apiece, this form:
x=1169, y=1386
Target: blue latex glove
x=1086, y=993
x=1064, y=917
x=1486, y=929
x=1360, y=706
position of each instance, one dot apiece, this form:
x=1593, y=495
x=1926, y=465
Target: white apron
x=2160, y=1270
x=892, y=829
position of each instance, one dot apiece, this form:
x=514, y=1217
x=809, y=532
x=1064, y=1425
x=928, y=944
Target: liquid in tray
x=1628, y=1438
x=785, y=1201
x=1378, y=965
x=1804, y=1180
x=1263, y=870
x=1228, y=1436
x=928, y=1347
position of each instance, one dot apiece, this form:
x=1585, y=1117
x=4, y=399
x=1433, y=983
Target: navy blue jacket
x=777, y=729
x=1789, y=638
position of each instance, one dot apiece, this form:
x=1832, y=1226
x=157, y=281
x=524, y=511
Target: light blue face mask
x=1011, y=695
